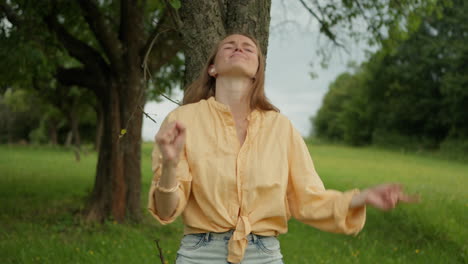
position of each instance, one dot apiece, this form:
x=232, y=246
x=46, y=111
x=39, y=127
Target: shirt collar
x=226, y=109
x=218, y=105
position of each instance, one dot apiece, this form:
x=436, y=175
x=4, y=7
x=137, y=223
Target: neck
x=234, y=92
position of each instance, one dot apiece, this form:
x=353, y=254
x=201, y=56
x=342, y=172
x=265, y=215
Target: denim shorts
x=212, y=248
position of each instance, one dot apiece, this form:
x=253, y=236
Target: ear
x=212, y=71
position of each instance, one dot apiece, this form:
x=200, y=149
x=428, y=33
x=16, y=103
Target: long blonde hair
x=205, y=85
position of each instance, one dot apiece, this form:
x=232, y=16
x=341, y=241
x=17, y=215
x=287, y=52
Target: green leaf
x=175, y=3
x=123, y=132
x=155, y=5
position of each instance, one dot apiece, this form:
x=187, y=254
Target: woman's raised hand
x=171, y=140
x=387, y=196
x=384, y=197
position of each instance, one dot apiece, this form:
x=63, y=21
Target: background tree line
x=411, y=93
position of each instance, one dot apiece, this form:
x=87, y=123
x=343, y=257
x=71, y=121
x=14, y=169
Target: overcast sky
x=292, y=47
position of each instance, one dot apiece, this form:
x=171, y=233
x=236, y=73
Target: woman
x=237, y=170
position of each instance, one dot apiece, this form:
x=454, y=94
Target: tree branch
x=163, y=25
x=324, y=28
x=108, y=40
x=174, y=14
x=320, y=9
x=166, y=48
x=163, y=44
x=76, y=48
x=80, y=77
x=131, y=31
x=368, y=21
x=311, y=11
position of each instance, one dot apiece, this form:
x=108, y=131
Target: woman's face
x=237, y=56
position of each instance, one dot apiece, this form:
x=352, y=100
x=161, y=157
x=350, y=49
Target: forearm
x=358, y=200
x=166, y=203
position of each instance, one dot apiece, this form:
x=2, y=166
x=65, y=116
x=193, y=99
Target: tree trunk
x=75, y=129
x=69, y=139
x=110, y=48
x=117, y=185
x=198, y=38
x=99, y=126
x=251, y=17
x=75, y=121
x=132, y=120
x=109, y=187
x=224, y=17
x=53, y=135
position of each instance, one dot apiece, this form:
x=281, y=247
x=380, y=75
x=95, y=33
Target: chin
x=238, y=70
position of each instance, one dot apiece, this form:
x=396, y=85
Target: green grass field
x=42, y=188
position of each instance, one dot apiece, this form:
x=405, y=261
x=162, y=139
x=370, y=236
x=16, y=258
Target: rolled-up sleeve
x=309, y=201
x=184, y=178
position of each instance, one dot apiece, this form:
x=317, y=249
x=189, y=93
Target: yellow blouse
x=255, y=187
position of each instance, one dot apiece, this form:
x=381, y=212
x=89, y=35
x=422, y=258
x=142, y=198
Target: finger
x=391, y=200
x=386, y=205
x=180, y=140
x=171, y=126
x=394, y=198
x=382, y=204
x=398, y=187
x=170, y=138
x=180, y=127
x=389, y=197
x=393, y=187
x=379, y=200
x=167, y=125
x=409, y=198
x=165, y=138
x=165, y=128
x=388, y=187
x=171, y=133
x=161, y=139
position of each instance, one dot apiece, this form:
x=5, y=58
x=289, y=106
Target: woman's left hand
x=384, y=197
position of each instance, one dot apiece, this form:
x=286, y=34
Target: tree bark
x=74, y=123
x=53, y=135
x=252, y=17
x=117, y=186
x=99, y=126
x=202, y=28
x=75, y=129
x=205, y=22
x=107, y=197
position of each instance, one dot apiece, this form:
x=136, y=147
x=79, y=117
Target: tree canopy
x=409, y=94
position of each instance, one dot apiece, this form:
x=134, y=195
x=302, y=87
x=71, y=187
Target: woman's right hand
x=171, y=140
